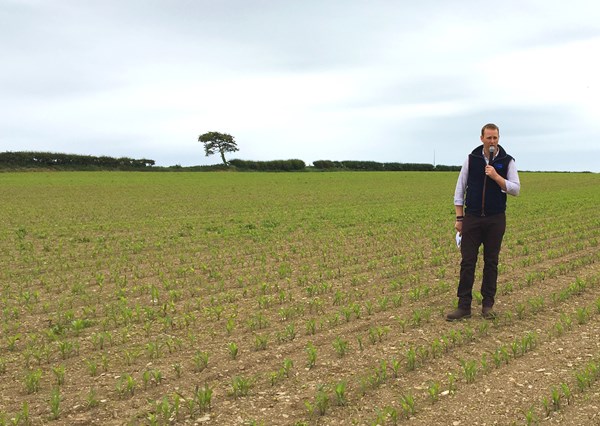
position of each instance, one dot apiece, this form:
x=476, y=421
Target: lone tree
x=215, y=141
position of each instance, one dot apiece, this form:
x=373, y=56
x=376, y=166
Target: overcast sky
x=378, y=80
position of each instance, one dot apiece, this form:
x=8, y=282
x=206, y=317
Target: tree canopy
x=218, y=142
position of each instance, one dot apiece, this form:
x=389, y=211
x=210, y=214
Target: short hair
x=490, y=126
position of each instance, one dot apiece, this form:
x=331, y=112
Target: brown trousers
x=478, y=230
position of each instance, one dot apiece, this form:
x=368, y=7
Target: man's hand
x=458, y=226
x=491, y=172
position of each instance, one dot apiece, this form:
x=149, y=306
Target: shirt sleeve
x=461, y=184
x=513, y=184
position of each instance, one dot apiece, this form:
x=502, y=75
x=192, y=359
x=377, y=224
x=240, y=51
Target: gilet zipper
x=484, y=184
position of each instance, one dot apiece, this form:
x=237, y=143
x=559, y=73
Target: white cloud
x=563, y=73
x=373, y=80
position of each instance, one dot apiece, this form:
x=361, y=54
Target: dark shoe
x=488, y=313
x=458, y=314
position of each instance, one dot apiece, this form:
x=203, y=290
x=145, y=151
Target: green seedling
x=92, y=398
x=341, y=346
x=360, y=343
x=126, y=385
x=411, y=359
x=433, y=390
x=566, y=391
x=582, y=315
x=55, y=404
x=395, y=364
x=407, y=402
x=340, y=393
x=287, y=367
x=530, y=417
x=240, y=386
x=201, y=359
x=11, y=342
x=311, y=352
x=203, y=397
x=260, y=342
x=32, y=381
x=233, y=350
x=547, y=406
x=177, y=369
x=469, y=370
x=59, y=373
x=321, y=404
x=556, y=398
x=451, y=383
x=311, y=327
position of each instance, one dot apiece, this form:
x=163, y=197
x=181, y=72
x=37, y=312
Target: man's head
x=490, y=134
x=490, y=126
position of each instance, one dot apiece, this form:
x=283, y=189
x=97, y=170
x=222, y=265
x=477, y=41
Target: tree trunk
x=223, y=157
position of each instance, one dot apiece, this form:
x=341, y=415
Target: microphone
x=492, y=150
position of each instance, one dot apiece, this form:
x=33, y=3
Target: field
x=290, y=299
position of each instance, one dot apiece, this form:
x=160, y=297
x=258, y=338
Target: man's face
x=490, y=138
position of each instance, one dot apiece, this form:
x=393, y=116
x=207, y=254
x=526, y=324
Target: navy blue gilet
x=484, y=196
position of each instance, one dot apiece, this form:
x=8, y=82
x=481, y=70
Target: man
x=480, y=204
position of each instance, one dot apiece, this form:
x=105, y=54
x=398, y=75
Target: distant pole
x=434, y=158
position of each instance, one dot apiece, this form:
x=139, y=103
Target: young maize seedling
x=340, y=393
x=520, y=311
x=360, y=343
x=451, y=383
x=55, y=404
x=395, y=367
x=177, y=369
x=311, y=352
x=484, y=328
x=260, y=342
x=508, y=318
x=290, y=331
x=469, y=370
x=321, y=401
x=201, y=360
x=341, y=346
x=411, y=359
x=514, y=347
x=59, y=373
x=287, y=366
x=203, y=397
x=157, y=376
x=566, y=392
x=233, y=350
x=434, y=391
x=402, y=324
x=126, y=385
x=582, y=315
x=92, y=398
x=381, y=372
x=240, y=386
x=32, y=381
x=485, y=367
x=530, y=417
x=23, y=416
x=556, y=398
x=583, y=380
x=311, y=328
x=407, y=403
x=275, y=376
x=547, y=406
